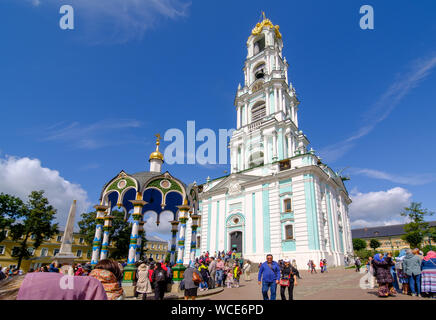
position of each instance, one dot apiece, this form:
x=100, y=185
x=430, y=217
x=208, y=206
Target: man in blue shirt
x=269, y=273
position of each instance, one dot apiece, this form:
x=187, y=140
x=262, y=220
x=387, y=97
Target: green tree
x=11, y=208
x=36, y=221
x=417, y=228
x=359, y=244
x=119, y=232
x=374, y=244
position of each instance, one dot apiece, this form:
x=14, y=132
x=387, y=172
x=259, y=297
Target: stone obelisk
x=65, y=255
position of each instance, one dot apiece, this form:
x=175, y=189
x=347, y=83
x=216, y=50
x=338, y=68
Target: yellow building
x=155, y=248
x=45, y=252
x=388, y=236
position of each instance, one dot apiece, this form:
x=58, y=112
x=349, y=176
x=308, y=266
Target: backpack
x=160, y=276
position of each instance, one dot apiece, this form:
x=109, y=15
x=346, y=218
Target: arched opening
x=259, y=71
x=258, y=111
x=259, y=45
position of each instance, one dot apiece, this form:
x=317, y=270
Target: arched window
x=259, y=45
x=258, y=112
x=259, y=71
x=289, y=232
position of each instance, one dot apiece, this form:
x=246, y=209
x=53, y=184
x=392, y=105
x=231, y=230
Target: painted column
x=174, y=229
x=235, y=158
x=106, y=229
x=195, y=217
x=130, y=269
x=274, y=145
x=139, y=240
x=242, y=156
x=98, y=233
x=280, y=98
x=276, y=102
x=179, y=268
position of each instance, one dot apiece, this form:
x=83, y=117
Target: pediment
x=233, y=184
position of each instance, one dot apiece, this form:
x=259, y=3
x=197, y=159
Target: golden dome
x=156, y=154
x=266, y=23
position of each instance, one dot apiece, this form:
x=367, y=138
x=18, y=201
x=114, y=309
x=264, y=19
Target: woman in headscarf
x=191, y=286
x=108, y=273
x=143, y=284
x=383, y=274
x=428, y=275
x=402, y=277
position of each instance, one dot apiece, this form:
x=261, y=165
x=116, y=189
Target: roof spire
x=157, y=154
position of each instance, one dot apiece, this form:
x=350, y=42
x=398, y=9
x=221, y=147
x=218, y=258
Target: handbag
x=196, y=278
x=284, y=282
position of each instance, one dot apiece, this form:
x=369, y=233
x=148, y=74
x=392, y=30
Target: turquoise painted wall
x=266, y=219
x=311, y=213
x=209, y=222
x=289, y=245
x=341, y=240
x=271, y=103
x=217, y=224
x=329, y=209
x=253, y=203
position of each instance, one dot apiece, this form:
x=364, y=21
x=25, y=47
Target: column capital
x=184, y=207
x=138, y=203
x=100, y=208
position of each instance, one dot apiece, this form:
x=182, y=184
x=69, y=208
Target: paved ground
x=337, y=284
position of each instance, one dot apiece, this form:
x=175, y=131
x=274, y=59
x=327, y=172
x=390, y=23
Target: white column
x=280, y=98
x=238, y=116
x=265, y=149
x=234, y=158
x=275, y=145
x=267, y=101
x=246, y=113
x=242, y=156
x=290, y=153
x=276, y=104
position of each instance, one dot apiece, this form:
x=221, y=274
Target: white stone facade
x=279, y=195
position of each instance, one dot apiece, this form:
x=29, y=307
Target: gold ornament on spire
x=266, y=23
x=157, y=154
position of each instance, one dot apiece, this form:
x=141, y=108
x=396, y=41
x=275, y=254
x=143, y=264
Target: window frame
x=291, y=225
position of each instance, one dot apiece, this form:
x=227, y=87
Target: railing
x=254, y=125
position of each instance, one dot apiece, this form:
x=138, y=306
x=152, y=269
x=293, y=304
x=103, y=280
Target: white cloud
x=383, y=107
x=378, y=208
x=122, y=20
x=92, y=136
x=162, y=231
x=414, y=180
x=21, y=176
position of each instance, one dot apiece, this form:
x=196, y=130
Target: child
x=236, y=274
x=229, y=277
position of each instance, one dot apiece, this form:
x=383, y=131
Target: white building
x=279, y=198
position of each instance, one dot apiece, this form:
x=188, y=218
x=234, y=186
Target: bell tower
x=266, y=106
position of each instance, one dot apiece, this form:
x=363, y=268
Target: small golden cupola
x=156, y=157
x=266, y=23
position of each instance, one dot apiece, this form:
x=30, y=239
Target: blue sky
x=78, y=106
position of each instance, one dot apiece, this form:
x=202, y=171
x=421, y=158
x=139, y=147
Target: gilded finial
x=266, y=23
x=263, y=14
x=157, y=154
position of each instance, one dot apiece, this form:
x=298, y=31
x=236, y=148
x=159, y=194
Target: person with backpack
x=288, y=278
x=313, y=266
x=358, y=264
x=159, y=278
x=269, y=273
x=205, y=276
x=402, y=277
x=191, y=280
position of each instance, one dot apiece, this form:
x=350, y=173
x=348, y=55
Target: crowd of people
x=312, y=266
x=410, y=273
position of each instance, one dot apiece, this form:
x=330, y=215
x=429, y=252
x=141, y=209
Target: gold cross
x=158, y=137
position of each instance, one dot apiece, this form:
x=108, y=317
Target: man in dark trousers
x=269, y=273
x=159, y=278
